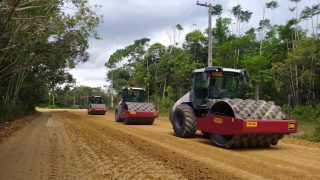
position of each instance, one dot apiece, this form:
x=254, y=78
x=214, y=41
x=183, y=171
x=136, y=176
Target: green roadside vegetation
x=309, y=121
x=75, y=98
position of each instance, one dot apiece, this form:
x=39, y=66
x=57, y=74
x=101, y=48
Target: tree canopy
x=285, y=61
x=39, y=42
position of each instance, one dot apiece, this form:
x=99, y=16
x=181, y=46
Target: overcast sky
x=128, y=20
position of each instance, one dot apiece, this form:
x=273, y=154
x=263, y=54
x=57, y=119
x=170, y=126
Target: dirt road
x=66, y=144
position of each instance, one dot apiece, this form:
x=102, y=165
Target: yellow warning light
x=217, y=73
x=292, y=125
x=218, y=120
x=251, y=124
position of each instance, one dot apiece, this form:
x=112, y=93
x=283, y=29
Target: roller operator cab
x=213, y=106
x=96, y=106
x=133, y=108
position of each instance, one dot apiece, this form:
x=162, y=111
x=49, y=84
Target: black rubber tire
x=127, y=121
x=184, y=121
x=150, y=122
x=146, y=121
x=171, y=116
x=206, y=134
x=117, y=117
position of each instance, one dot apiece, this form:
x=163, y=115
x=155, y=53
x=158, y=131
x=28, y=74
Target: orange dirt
x=69, y=144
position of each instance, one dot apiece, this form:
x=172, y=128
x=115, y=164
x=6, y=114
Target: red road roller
x=96, y=106
x=133, y=108
x=213, y=106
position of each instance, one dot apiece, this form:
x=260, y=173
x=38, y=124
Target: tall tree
x=296, y=16
x=309, y=13
x=121, y=64
x=217, y=10
x=241, y=16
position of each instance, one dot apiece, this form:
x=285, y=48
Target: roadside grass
x=309, y=122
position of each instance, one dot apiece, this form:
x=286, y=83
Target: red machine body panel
x=227, y=125
x=97, y=109
x=133, y=114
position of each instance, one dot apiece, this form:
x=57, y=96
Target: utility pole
x=74, y=94
x=209, y=6
x=53, y=92
x=148, y=78
x=49, y=98
x=53, y=100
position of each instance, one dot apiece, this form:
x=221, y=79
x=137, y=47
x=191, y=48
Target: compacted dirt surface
x=69, y=144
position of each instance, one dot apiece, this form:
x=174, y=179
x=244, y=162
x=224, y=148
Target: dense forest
x=39, y=42
x=282, y=60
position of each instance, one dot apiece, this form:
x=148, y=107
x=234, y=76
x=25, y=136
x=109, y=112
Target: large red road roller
x=213, y=106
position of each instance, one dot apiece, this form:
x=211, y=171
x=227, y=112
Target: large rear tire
x=184, y=121
x=117, y=116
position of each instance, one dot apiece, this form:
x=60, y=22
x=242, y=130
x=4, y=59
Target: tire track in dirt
x=24, y=154
x=190, y=168
x=110, y=158
x=62, y=162
x=69, y=144
x=281, y=162
x=116, y=157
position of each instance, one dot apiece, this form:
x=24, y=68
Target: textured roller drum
x=249, y=110
x=140, y=107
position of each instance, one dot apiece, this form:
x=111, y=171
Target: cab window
x=224, y=86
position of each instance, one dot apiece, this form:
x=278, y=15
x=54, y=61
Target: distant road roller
x=133, y=108
x=213, y=107
x=96, y=106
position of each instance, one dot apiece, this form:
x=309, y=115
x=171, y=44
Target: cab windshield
x=225, y=86
x=135, y=95
x=96, y=100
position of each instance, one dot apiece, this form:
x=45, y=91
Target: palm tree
x=295, y=9
x=236, y=11
x=241, y=16
x=309, y=13
x=272, y=5
x=263, y=2
x=180, y=29
x=265, y=22
x=217, y=10
x=316, y=11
